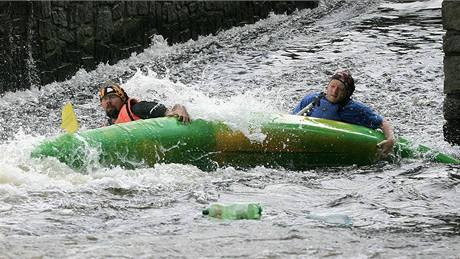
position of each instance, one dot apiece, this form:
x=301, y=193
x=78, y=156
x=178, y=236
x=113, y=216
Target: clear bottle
x=234, y=211
x=335, y=219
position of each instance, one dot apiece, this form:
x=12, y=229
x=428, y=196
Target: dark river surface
x=402, y=209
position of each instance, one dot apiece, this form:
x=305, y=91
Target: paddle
x=315, y=102
x=69, y=119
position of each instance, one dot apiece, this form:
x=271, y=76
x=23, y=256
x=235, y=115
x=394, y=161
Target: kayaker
x=336, y=104
x=120, y=108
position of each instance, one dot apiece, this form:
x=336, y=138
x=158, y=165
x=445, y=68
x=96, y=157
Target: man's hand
x=385, y=147
x=180, y=112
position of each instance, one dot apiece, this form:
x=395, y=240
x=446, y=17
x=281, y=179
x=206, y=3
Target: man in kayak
x=336, y=104
x=120, y=108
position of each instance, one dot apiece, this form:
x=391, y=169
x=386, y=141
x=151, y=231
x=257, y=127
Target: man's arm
x=147, y=110
x=386, y=146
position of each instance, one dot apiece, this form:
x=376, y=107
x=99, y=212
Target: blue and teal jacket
x=352, y=112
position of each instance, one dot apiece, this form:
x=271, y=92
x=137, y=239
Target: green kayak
x=290, y=141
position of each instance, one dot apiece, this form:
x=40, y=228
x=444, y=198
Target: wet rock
x=117, y=11
x=88, y=62
x=59, y=17
x=45, y=9
x=45, y=28
x=104, y=25
x=67, y=36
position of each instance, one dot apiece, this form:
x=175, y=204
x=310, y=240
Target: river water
x=403, y=209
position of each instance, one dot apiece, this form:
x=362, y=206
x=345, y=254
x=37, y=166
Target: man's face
x=335, y=91
x=112, y=104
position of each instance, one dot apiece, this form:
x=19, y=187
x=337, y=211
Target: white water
x=406, y=209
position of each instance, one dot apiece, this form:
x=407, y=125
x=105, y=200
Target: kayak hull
x=290, y=141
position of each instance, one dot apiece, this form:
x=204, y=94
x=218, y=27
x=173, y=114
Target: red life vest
x=126, y=114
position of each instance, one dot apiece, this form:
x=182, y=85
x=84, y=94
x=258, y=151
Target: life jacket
x=126, y=114
x=324, y=109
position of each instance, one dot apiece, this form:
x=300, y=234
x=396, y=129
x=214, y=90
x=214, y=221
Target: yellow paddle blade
x=69, y=119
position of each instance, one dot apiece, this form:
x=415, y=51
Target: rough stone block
x=52, y=59
x=88, y=62
x=104, y=25
x=193, y=7
x=119, y=30
x=59, y=17
x=174, y=35
x=142, y=8
x=451, y=42
x=452, y=107
x=172, y=14
x=65, y=71
x=152, y=8
x=451, y=74
x=450, y=17
x=117, y=11
x=47, y=77
x=4, y=8
x=4, y=18
x=74, y=17
x=21, y=8
x=158, y=8
x=45, y=29
x=73, y=56
x=452, y=131
x=164, y=11
x=62, y=4
x=42, y=9
x=85, y=39
x=86, y=11
x=114, y=53
x=185, y=35
x=183, y=15
x=131, y=9
x=135, y=29
x=50, y=45
x=66, y=35
x=102, y=52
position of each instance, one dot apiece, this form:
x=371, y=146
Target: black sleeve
x=147, y=110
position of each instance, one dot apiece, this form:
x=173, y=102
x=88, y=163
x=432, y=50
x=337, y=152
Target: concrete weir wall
x=46, y=41
x=451, y=45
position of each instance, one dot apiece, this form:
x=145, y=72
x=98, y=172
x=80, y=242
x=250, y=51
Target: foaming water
x=237, y=111
x=408, y=208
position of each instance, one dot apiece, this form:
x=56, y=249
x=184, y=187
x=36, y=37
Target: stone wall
x=16, y=61
x=451, y=45
x=46, y=41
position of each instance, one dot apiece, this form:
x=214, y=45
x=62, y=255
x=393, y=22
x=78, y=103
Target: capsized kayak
x=291, y=141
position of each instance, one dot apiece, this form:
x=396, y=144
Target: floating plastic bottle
x=336, y=219
x=234, y=211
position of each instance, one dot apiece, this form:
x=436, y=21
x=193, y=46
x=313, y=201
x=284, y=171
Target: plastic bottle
x=234, y=211
x=336, y=219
